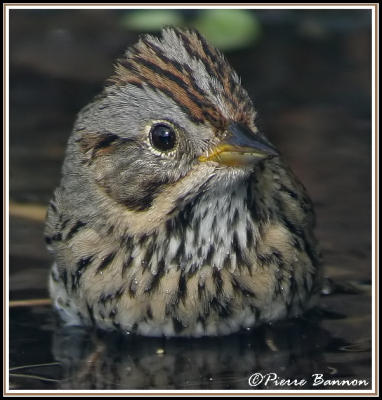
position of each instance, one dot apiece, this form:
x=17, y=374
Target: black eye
x=163, y=137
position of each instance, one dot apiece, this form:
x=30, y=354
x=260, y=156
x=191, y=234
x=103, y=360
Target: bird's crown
x=184, y=66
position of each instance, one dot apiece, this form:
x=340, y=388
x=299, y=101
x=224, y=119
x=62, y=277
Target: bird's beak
x=240, y=147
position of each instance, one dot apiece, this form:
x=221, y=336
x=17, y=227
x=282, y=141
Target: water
x=312, y=90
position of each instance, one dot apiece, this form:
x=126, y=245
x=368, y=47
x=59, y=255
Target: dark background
x=309, y=75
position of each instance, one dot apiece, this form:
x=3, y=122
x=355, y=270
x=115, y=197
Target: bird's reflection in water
x=95, y=360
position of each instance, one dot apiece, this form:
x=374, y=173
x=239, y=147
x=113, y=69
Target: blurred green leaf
x=228, y=29
x=151, y=20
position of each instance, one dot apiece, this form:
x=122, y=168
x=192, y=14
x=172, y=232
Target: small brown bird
x=175, y=216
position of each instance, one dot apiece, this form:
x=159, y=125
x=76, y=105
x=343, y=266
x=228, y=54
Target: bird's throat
x=214, y=230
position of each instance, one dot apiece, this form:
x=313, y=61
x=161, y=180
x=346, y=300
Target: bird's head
x=173, y=121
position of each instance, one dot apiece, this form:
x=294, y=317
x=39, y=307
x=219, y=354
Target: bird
x=175, y=215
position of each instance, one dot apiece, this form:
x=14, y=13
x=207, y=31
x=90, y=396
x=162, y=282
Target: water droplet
x=332, y=370
x=328, y=287
x=248, y=329
x=210, y=379
x=160, y=352
x=127, y=332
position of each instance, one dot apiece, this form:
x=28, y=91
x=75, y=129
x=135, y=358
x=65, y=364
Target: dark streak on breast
x=132, y=287
x=57, y=237
x=154, y=283
x=126, y=265
x=178, y=325
x=75, y=229
x=182, y=288
x=82, y=264
x=217, y=278
x=222, y=309
x=53, y=207
x=91, y=313
x=105, y=263
x=201, y=289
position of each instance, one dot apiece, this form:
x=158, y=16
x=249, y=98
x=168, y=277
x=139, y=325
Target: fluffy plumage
x=206, y=237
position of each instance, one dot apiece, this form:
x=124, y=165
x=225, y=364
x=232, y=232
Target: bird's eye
x=163, y=137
